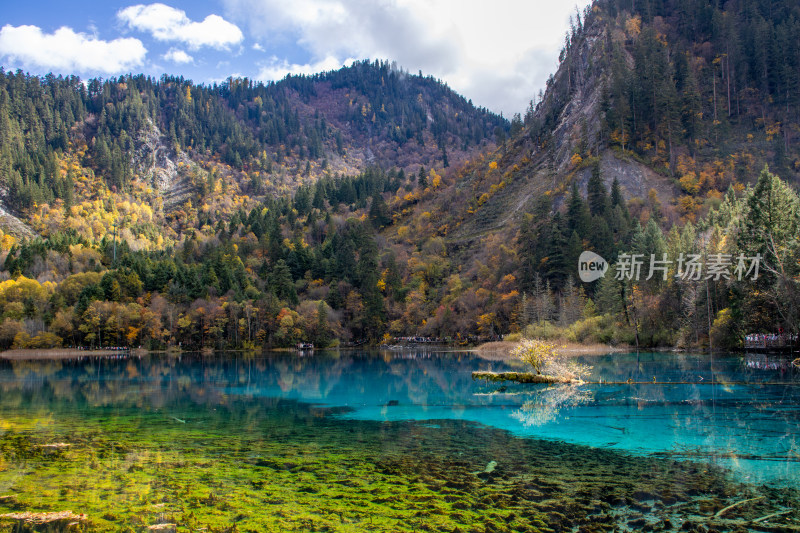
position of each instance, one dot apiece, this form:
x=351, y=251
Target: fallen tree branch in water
x=773, y=515
x=737, y=504
x=735, y=525
x=61, y=521
x=521, y=377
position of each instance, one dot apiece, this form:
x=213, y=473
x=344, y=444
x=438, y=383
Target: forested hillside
x=130, y=130
x=367, y=203
x=640, y=136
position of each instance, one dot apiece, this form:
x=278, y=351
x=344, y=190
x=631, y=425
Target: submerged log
x=163, y=527
x=521, y=377
x=773, y=515
x=737, y=504
x=745, y=525
x=58, y=521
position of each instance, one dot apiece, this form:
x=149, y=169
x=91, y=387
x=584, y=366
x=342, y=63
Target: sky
x=497, y=53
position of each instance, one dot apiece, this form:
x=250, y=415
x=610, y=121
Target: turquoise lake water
x=218, y=420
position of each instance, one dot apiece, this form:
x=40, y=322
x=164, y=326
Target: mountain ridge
x=568, y=130
x=248, y=127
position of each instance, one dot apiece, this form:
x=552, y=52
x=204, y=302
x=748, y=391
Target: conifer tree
x=597, y=195
x=422, y=178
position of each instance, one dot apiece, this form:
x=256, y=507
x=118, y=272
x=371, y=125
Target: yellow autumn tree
x=7, y=242
x=534, y=352
x=633, y=26
x=25, y=290
x=436, y=179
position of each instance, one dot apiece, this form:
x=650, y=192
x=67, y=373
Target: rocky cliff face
x=12, y=225
x=559, y=144
x=157, y=163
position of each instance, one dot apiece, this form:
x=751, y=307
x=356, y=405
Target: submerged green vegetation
x=132, y=450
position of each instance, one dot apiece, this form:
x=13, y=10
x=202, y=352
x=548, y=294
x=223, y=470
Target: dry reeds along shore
x=502, y=349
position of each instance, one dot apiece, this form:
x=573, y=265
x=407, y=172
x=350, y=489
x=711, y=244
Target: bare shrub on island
x=546, y=404
x=544, y=358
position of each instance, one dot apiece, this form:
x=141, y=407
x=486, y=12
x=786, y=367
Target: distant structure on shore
x=777, y=342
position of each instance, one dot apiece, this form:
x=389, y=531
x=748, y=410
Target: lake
x=400, y=441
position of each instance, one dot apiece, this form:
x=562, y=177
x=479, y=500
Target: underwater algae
x=206, y=445
x=287, y=466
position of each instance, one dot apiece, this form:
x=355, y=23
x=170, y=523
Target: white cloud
x=167, y=23
x=257, y=47
x=498, y=54
x=68, y=51
x=278, y=69
x=221, y=80
x=178, y=56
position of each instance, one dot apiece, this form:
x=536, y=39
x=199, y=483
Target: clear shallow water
x=734, y=410
x=389, y=441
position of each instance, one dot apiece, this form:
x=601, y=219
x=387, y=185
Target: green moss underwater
x=204, y=461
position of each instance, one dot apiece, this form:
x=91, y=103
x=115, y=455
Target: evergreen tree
x=379, y=212
x=322, y=331
x=597, y=195
x=555, y=262
x=601, y=238
x=616, y=194
x=578, y=217
x=281, y=284
x=422, y=178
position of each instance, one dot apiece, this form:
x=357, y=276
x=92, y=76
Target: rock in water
x=488, y=470
x=163, y=527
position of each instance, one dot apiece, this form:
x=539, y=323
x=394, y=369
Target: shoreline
x=33, y=354
x=496, y=350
